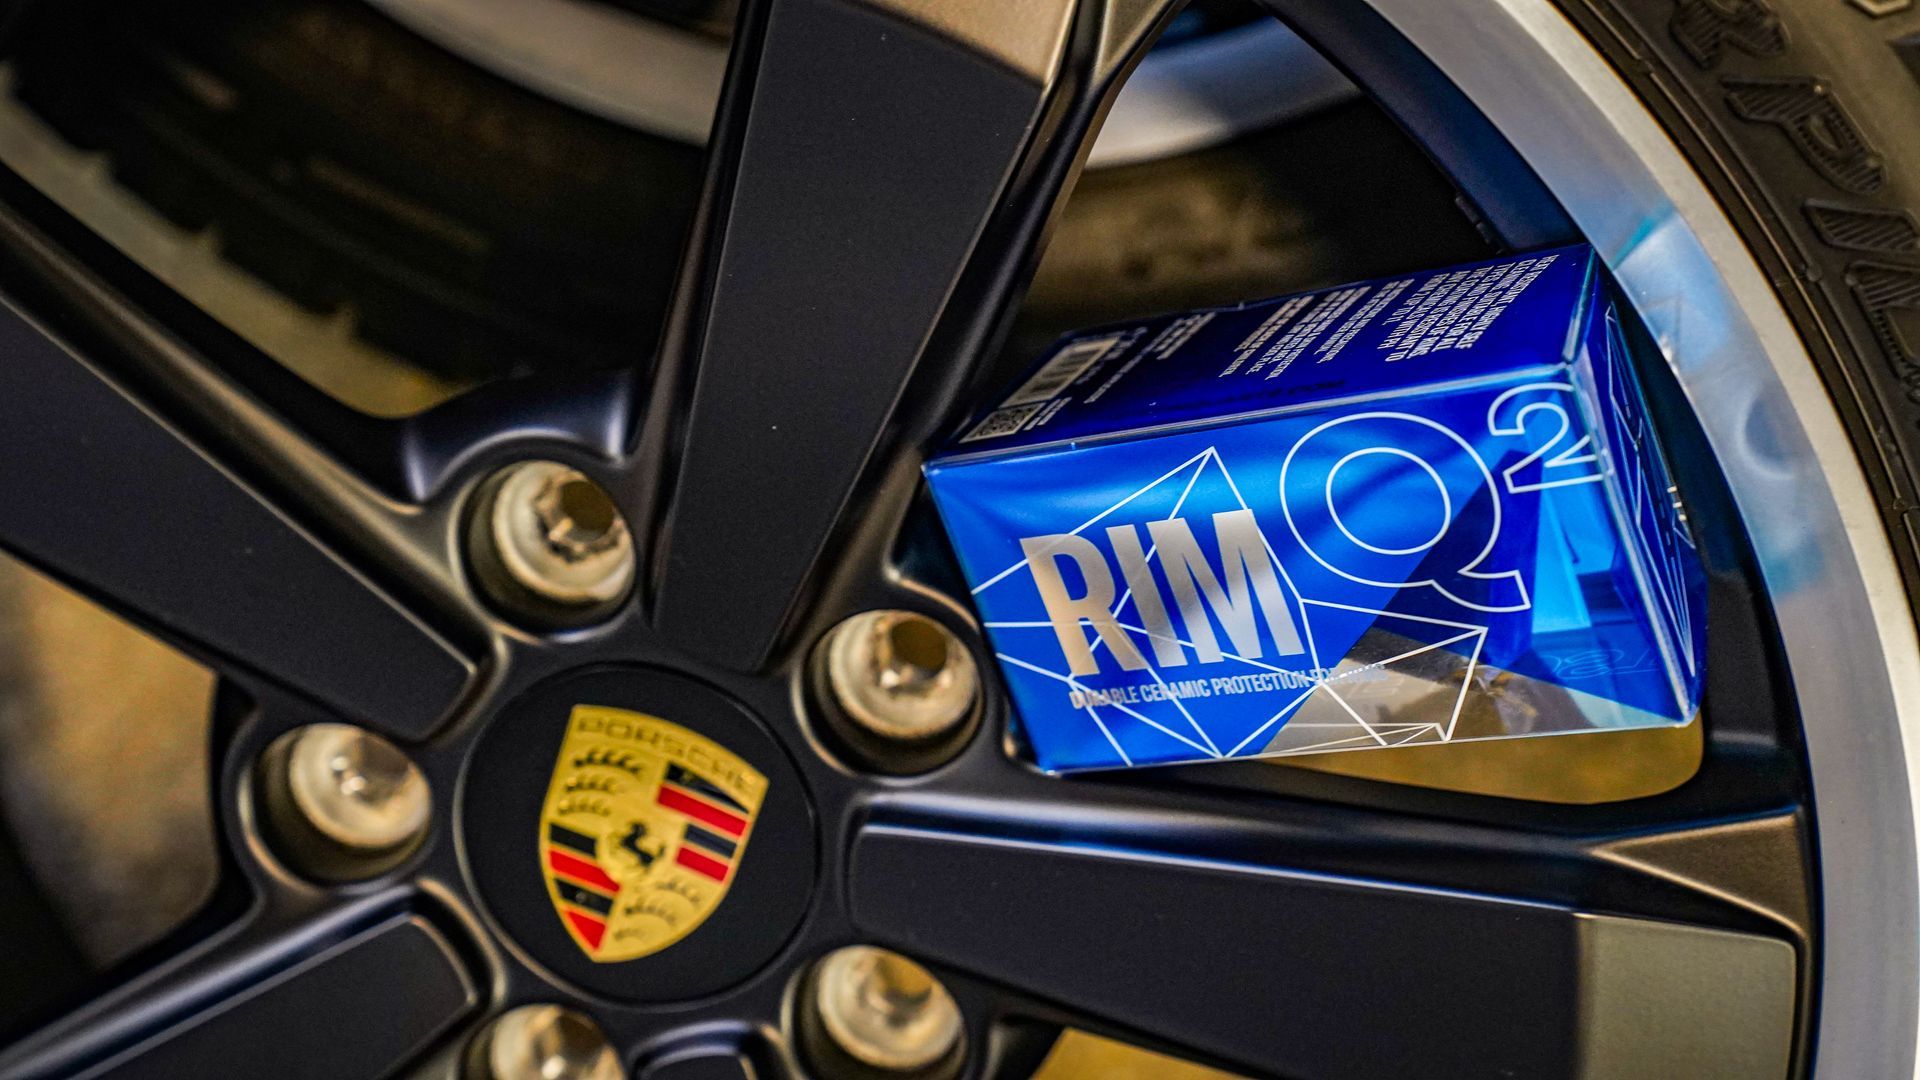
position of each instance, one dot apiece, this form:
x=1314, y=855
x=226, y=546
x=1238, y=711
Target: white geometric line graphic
x=1075, y=684
x=1108, y=732
x=1095, y=519
x=1397, y=615
x=1471, y=630
x=1372, y=664
x=1088, y=709
x=1357, y=718
x=1284, y=709
x=1335, y=744
x=1100, y=640
x=1473, y=661
x=1375, y=734
x=1155, y=546
x=1313, y=651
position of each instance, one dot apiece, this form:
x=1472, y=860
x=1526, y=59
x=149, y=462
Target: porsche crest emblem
x=642, y=831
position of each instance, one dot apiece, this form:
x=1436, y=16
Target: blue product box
x=1423, y=509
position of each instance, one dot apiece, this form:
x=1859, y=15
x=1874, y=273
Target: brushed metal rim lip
x=1825, y=558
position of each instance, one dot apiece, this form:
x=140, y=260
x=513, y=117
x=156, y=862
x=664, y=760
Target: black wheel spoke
x=723, y=1065
x=813, y=321
x=100, y=491
x=351, y=992
x=1230, y=942
x=1003, y=1040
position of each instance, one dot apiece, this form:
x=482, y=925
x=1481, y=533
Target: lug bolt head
x=545, y=1042
x=885, y=1011
x=554, y=540
x=901, y=675
x=340, y=803
x=356, y=788
x=577, y=518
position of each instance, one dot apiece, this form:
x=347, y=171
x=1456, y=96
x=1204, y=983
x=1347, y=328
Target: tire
x=477, y=228
x=1741, y=164
x=472, y=226
x=1800, y=115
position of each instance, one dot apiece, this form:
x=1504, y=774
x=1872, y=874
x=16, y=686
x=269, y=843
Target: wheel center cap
x=640, y=834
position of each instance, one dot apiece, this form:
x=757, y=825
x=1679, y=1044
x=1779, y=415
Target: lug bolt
x=901, y=675
x=344, y=802
x=551, y=544
x=545, y=1042
x=885, y=1011
x=356, y=787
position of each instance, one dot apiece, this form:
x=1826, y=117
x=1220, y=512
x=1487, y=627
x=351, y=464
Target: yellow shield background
x=642, y=831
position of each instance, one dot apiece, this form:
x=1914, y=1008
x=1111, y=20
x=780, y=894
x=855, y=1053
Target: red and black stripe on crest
x=586, y=888
x=716, y=822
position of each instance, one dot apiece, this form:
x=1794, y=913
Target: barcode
x=1002, y=422
x=1058, y=373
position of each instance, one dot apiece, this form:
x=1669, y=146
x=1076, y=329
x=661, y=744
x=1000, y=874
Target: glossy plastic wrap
x=1421, y=509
